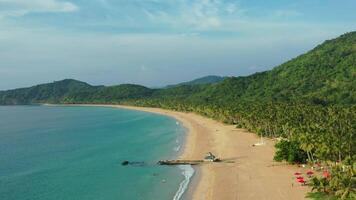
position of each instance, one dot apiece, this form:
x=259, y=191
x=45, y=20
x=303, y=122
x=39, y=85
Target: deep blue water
x=54, y=153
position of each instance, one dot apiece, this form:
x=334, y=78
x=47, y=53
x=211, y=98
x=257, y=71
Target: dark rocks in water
x=124, y=163
x=139, y=164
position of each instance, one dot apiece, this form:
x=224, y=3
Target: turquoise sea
x=75, y=153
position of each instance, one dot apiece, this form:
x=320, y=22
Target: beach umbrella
x=301, y=181
x=297, y=173
x=300, y=177
x=326, y=174
x=309, y=173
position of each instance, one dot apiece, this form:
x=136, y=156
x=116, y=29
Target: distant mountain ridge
x=211, y=79
x=324, y=75
x=70, y=90
x=44, y=92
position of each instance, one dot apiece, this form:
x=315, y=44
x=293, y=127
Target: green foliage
x=51, y=92
x=340, y=185
x=200, y=81
x=72, y=91
x=343, y=182
x=320, y=184
x=325, y=75
x=321, y=196
x=112, y=94
x=289, y=151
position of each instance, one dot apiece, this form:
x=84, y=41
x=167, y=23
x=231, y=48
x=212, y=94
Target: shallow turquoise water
x=76, y=152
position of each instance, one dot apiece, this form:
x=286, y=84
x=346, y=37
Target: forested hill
x=72, y=91
x=49, y=92
x=326, y=75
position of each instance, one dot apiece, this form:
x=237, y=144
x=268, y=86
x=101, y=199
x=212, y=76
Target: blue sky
x=158, y=42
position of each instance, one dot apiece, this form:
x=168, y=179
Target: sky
x=159, y=42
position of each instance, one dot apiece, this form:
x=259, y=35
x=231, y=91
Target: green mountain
x=325, y=75
x=50, y=92
x=72, y=91
x=110, y=94
x=199, y=81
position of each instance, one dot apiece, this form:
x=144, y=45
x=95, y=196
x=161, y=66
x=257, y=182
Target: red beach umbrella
x=300, y=177
x=301, y=181
x=297, y=173
x=326, y=174
x=309, y=173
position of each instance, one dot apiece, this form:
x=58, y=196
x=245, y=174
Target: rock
x=124, y=163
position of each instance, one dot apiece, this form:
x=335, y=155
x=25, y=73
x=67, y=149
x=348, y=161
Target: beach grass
x=322, y=196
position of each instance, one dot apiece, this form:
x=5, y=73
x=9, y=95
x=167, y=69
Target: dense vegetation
x=309, y=101
x=340, y=185
x=289, y=151
x=72, y=91
x=52, y=92
x=200, y=81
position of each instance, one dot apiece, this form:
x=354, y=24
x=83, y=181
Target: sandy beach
x=249, y=173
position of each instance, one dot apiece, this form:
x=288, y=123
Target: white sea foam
x=187, y=172
x=177, y=148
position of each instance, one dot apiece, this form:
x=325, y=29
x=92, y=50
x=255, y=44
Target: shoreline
x=248, y=173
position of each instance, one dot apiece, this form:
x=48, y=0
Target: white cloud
x=183, y=50
x=194, y=14
x=23, y=7
x=286, y=13
x=149, y=59
x=231, y=8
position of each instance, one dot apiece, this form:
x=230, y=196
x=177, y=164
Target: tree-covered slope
x=199, y=81
x=111, y=94
x=73, y=91
x=50, y=92
x=325, y=75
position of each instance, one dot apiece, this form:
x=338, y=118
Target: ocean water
x=62, y=152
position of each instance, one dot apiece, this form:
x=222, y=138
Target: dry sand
x=249, y=174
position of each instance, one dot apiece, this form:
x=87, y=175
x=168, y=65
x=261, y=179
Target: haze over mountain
x=199, y=81
x=324, y=75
